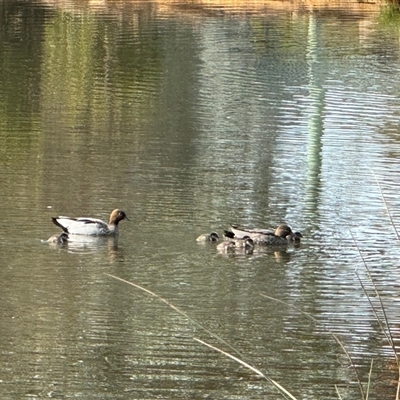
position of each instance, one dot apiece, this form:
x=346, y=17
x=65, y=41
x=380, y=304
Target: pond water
x=191, y=117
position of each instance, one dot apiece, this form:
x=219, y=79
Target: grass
x=384, y=325
x=390, y=14
x=241, y=359
x=285, y=393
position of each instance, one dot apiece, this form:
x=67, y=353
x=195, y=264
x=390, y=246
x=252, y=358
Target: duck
x=91, y=226
x=282, y=235
x=226, y=247
x=208, y=237
x=57, y=238
x=245, y=243
x=295, y=237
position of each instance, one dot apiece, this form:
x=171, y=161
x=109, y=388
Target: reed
x=383, y=324
x=280, y=388
x=239, y=358
x=258, y=372
x=387, y=208
x=336, y=337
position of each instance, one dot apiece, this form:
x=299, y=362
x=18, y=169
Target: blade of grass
x=330, y=332
x=337, y=391
x=369, y=379
x=386, y=205
x=258, y=372
x=387, y=332
x=178, y=311
x=398, y=237
x=282, y=389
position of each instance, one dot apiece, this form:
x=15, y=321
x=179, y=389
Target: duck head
x=116, y=216
x=213, y=237
x=248, y=243
x=283, y=231
x=296, y=237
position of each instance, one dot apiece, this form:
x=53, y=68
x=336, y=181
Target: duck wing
x=241, y=232
x=81, y=226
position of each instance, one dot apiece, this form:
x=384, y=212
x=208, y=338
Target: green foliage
x=390, y=14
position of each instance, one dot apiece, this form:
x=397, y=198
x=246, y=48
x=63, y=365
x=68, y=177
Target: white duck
x=91, y=226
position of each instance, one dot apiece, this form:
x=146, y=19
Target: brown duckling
x=57, y=238
x=208, y=237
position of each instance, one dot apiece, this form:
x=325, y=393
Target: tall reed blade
x=178, y=311
x=386, y=205
x=282, y=390
x=330, y=332
x=258, y=372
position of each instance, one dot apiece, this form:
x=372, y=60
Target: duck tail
x=229, y=234
x=55, y=221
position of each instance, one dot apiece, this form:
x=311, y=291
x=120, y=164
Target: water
x=191, y=117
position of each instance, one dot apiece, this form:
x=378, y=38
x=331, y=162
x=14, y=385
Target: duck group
x=238, y=237
x=282, y=235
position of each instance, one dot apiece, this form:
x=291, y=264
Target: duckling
x=239, y=245
x=226, y=247
x=208, y=237
x=245, y=243
x=295, y=237
x=57, y=238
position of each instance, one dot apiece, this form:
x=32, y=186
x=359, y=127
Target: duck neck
x=113, y=228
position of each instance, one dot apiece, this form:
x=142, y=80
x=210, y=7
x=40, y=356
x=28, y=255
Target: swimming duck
x=245, y=243
x=57, y=238
x=208, y=237
x=91, y=226
x=226, y=247
x=282, y=235
x=295, y=237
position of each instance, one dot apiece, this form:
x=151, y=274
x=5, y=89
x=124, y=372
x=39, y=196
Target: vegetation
x=374, y=299
x=364, y=388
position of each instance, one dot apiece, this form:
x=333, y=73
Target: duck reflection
x=79, y=243
x=83, y=244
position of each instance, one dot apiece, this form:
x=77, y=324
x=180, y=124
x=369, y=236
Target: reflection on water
x=191, y=117
x=92, y=244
